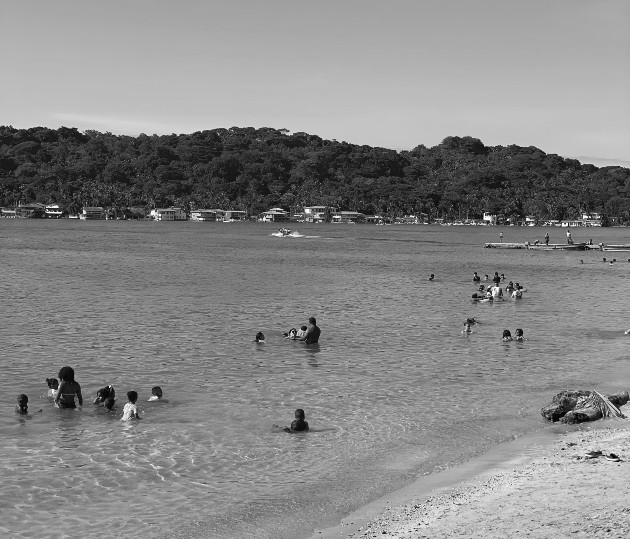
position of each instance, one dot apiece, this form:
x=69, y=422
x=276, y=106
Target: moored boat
x=557, y=246
x=505, y=245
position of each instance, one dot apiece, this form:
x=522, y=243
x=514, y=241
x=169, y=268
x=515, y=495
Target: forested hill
x=255, y=169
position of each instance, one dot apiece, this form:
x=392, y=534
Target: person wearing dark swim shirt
x=312, y=333
x=298, y=424
x=68, y=388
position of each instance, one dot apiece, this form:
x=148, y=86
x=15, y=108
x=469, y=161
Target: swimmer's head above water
x=22, y=404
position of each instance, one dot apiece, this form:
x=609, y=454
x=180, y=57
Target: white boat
x=286, y=233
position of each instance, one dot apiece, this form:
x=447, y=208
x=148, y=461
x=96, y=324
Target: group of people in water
x=307, y=334
x=66, y=393
x=494, y=292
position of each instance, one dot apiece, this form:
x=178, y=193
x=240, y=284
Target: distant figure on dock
x=546, y=238
x=569, y=239
x=476, y=278
x=507, y=336
x=501, y=237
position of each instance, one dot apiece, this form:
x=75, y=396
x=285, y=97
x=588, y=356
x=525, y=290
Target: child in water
x=105, y=393
x=130, y=411
x=467, y=328
x=507, y=336
x=22, y=404
x=108, y=403
x=519, y=335
x=298, y=424
x=156, y=395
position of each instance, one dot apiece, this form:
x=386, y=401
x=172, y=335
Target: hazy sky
x=393, y=73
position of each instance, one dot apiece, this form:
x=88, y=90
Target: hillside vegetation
x=255, y=169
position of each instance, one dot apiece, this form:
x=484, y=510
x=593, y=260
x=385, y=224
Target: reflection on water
x=392, y=391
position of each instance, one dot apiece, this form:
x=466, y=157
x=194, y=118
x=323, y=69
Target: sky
x=554, y=74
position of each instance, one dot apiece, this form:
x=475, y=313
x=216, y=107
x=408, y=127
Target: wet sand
x=548, y=487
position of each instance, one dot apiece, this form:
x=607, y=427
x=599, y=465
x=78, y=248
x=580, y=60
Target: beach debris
x=577, y=406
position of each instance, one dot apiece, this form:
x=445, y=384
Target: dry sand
x=548, y=490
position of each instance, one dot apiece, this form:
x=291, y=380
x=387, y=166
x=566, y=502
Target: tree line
x=243, y=168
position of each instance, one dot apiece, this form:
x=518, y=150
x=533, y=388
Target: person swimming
x=507, y=336
x=108, y=403
x=291, y=334
x=53, y=386
x=476, y=277
x=467, y=328
x=260, y=337
x=105, y=393
x=298, y=424
x=509, y=288
x=22, y=404
x=432, y=277
x=519, y=335
x=156, y=395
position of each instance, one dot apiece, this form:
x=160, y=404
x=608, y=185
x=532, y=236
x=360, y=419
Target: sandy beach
x=550, y=488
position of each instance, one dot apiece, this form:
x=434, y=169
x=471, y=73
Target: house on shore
x=275, y=215
x=53, y=211
x=318, y=214
x=234, y=215
x=347, y=217
x=204, y=215
x=33, y=210
x=169, y=214
x=92, y=213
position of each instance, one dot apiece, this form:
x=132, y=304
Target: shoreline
x=541, y=485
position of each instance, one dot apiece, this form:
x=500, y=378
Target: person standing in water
x=68, y=388
x=546, y=238
x=312, y=333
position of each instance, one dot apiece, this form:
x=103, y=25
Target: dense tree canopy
x=255, y=169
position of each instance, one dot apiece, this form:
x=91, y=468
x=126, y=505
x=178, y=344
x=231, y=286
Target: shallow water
x=393, y=391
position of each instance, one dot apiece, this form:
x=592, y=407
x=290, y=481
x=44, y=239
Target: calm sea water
x=393, y=391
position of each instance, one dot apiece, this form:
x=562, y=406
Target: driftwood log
x=581, y=405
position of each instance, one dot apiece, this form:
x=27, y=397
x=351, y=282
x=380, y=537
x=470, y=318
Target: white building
x=169, y=214
x=347, y=217
x=317, y=214
x=275, y=215
x=92, y=213
x=203, y=215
